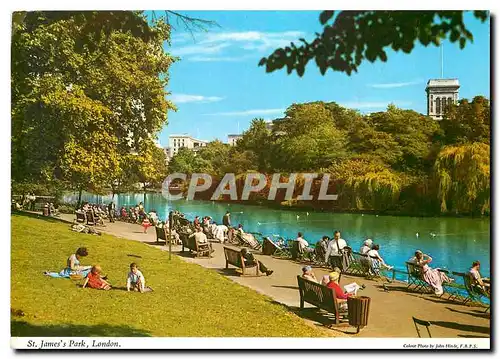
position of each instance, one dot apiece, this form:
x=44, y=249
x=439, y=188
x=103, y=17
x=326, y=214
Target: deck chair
x=359, y=265
x=423, y=323
x=475, y=293
x=455, y=289
x=416, y=278
x=282, y=251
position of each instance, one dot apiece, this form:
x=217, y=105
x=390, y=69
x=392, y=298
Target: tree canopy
x=351, y=37
x=88, y=88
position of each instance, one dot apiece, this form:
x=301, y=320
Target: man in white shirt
x=304, y=245
x=199, y=236
x=334, y=250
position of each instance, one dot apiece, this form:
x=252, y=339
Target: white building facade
x=440, y=94
x=182, y=141
x=233, y=139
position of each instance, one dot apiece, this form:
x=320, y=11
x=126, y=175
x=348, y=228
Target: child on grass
x=95, y=280
x=135, y=279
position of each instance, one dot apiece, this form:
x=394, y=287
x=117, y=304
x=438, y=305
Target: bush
x=65, y=208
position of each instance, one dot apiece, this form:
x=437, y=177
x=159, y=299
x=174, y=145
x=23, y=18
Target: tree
x=366, y=185
x=309, y=139
x=258, y=140
x=80, y=75
x=352, y=37
x=467, y=122
x=462, y=174
x=149, y=165
x=402, y=138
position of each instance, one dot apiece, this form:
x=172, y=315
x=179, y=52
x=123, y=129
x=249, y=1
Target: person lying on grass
x=95, y=280
x=135, y=279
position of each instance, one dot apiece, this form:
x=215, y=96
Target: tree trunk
x=79, y=198
x=144, y=189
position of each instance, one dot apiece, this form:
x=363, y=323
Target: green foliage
x=467, y=122
x=59, y=307
x=87, y=88
x=366, y=185
x=384, y=161
x=463, y=178
x=357, y=36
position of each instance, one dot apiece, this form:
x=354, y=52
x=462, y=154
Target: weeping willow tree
x=366, y=185
x=462, y=175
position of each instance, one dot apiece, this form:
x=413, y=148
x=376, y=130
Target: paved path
x=390, y=313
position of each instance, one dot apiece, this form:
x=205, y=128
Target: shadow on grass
x=25, y=329
x=38, y=216
x=462, y=327
x=134, y=255
x=320, y=317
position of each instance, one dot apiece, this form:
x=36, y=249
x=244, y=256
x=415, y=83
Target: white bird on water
x=416, y=234
x=258, y=223
x=433, y=234
x=307, y=213
x=298, y=217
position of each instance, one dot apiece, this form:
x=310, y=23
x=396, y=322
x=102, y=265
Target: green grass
x=188, y=300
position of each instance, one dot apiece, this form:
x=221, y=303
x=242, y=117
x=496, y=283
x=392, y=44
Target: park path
x=390, y=312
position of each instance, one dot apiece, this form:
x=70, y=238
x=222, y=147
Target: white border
x=170, y=343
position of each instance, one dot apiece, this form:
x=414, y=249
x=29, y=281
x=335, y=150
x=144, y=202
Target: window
x=443, y=104
x=438, y=105
x=450, y=101
x=431, y=103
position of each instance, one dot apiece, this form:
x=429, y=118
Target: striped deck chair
x=475, y=293
x=416, y=278
x=455, y=289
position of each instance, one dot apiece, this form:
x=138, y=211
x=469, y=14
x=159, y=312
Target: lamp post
x=170, y=224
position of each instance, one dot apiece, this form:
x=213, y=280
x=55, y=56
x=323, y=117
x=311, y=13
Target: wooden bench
x=80, y=217
x=320, y=296
x=235, y=258
x=161, y=233
x=201, y=249
x=269, y=247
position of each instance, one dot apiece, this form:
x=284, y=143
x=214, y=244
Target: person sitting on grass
x=73, y=267
x=251, y=261
x=135, y=279
x=308, y=274
x=95, y=280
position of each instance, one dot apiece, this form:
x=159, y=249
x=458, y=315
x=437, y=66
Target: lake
x=457, y=241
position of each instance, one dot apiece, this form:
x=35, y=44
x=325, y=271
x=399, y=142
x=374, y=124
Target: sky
x=219, y=88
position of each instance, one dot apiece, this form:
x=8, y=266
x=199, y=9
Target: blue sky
x=218, y=87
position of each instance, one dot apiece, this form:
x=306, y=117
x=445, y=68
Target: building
x=233, y=139
x=440, y=94
x=177, y=141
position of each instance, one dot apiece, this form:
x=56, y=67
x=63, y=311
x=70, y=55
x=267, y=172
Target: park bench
x=235, y=258
x=91, y=218
x=475, y=294
x=320, y=296
x=360, y=264
x=161, y=234
x=202, y=250
x=80, y=217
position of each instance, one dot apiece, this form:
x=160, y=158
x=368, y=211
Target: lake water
x=457, y=241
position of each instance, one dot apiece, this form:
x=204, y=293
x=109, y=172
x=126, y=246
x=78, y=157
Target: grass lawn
x=188, y=300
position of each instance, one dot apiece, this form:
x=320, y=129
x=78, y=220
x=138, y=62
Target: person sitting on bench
x=201, y=238
x=250, y=261
x=308, y=274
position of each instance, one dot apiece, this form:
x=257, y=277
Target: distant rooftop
x=443, y=82
x=234, y=135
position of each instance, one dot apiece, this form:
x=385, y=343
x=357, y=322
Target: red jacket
x=339, y=293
